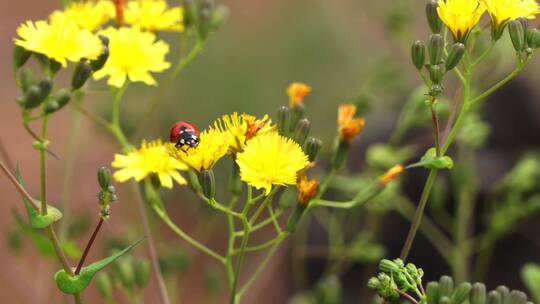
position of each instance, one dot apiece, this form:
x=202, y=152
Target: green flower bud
x=517, y=297
x=436, y=73
x=104, y=177
x=20, y=56
x=388, y=266
x=208, y=183
x=504, y=292
x=374, y=283
x=193, y=181
x=104, y=285
x=102, y=59
x=302, y=131
x=494, y=298
x=82, y=72
x=297, y=113
x=31, y=97
x=455, y=55
x=218, y=17
x=339, y=156
x=142, y=273
x=431, y=161
x=284, y=120
x=478, y=294
x=58, y=101
x=329, y=291
x=433, y=19
x=295, y=217
x=432, y=293
x=445, y=300
x=190, y=13
x=235, y=184
x=435, y=49
x=313, y=146
x=205, y=13
x=54, y=66
x=461, y=293
x=418, y=54
x=533, y=38
x=517, y=35
x=446, y=286
x=26, y=79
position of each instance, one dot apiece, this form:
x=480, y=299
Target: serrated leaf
x=76, y=284
x=37, y=220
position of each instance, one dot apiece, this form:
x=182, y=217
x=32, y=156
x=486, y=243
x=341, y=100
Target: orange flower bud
x=307, y=189
x=120, y=7
x=391, y=174
x=348, y=125
x=297, y=91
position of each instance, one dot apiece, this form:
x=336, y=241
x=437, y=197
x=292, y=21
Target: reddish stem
x=88, y=246
x=405, y=295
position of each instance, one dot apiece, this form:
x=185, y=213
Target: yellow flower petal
x=154, y=15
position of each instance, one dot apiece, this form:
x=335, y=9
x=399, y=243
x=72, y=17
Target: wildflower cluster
x=397, y=279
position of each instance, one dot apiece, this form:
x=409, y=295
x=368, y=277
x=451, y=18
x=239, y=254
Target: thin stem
x=405, y=295
x=58, y=250
x=436, y=129
x=240, y=260
x=263, y=205
x=43, y=167
x=77, y=298
x=115, y=126
x=89, y=245
x=485, y=54
x=260, y=224
x=260, y=246
x=5, y=155
x=418, y=215
x=185, y=236
x=164, y=295
x=90, y=115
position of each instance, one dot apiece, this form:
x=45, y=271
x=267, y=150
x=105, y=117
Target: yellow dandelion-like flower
x=90, y=15
x=154, y=15
x=133, y=54
x=241, y=128
x=297, y=91
x=348, y=125
x=213, y=145
x=504, y=11
x=151, y=158
x=460, y=16
x=270, y=159
x=59, y=39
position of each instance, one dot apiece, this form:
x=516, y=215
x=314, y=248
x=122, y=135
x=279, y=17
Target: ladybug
x=184, y=135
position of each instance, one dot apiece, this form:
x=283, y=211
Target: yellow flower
x=212, y=147
x=60, y=39
x=460, y=16
x=348, y=125
x=154, y=15
x=90, y=15
x=241, y=128
x=391, y=174
x=307, y=189
x=151, y=158
x=270, y=159
x=133, y=54
x=297, y=91
x=504, y=11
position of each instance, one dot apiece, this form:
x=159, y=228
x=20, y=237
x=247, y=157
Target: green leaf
x=530, y=274
x=37, y=220
x=76, y=284
x=431, y=161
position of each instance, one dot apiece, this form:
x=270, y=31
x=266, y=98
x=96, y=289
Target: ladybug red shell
x=184, y=135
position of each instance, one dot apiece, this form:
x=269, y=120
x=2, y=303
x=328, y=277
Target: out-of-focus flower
x=154, y=15
x=460, y=16
x=504, y=11
x=133, y=54
x=391, y=174
x=348, y=125
x=307, y=189
x=59, y=39
x=151, y=158
x=90, y=15
x=270, y=159
x=297, y=91
x=213, y=145
x=242, y=128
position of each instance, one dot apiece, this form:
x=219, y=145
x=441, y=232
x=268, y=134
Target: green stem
x=240, y=260
x=261, y=246
x=77, y=298
x=185, y=236
x=43, y=166
x=115, y=126
x=261, y=224
x=263, y=205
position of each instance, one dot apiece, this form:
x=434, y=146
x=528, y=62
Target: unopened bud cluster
x=107, y=192
x=396, y=277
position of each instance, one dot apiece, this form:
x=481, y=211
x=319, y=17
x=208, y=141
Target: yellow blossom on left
x=460, y=16
x=60, y=39
x=154, y=15
x=90, y=15
x=133, y=54
x=151, y=158
x=271, y=159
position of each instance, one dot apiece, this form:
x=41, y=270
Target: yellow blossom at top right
x=504, y=11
